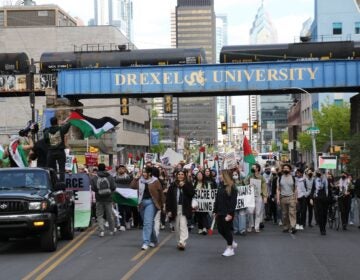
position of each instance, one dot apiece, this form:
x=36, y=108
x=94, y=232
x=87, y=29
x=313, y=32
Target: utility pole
x=32, y=71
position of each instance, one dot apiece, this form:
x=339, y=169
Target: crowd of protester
x=292, y=198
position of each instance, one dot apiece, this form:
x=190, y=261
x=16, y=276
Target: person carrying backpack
x=103, y=184
x=287, y=197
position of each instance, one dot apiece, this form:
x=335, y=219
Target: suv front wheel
x=67, y=228
x=49, y=238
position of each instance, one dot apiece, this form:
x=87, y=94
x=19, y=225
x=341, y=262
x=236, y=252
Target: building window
x=133, y=126
x=1, y=18
x=337, y=28
x=357, y=27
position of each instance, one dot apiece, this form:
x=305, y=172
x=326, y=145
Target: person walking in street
x=201, y=217
x=345, y=188
x=224, y=210
x=150, y=199
x=260, y=191
x=55, y=139
x=309, y=178
x=178, y=206
x=287, y=197
x=123, y=180
x=357, y=196
x=239, y=223
x=302, y=190
x=103, y=185
x=320, y=198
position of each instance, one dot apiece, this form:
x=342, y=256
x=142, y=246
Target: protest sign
x=206, y=198
x=80, y=184
x=256, y=184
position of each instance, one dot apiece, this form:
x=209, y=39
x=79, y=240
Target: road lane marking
x=43, y=274
x=132, y=271
x=54, y=256
x=138, y=256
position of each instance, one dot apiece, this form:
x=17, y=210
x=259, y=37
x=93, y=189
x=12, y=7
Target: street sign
x=313, y=130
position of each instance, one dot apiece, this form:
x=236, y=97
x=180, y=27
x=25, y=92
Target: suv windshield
x=23, y=179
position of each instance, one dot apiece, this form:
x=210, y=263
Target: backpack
x=54, y=140
x=103, y=186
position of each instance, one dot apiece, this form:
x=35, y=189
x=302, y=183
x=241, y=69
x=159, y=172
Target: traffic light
x=168, y=104
x=223, y=128
x=124, y=106
x=255, y=127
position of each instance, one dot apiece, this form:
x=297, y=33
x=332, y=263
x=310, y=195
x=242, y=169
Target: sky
x=152, y=22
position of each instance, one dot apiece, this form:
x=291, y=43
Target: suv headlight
x=38, y=205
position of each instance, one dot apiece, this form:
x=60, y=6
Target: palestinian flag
x=125, y=196
x=17, y=153
x=4, y=161
x=90, y=126
x=249, y=158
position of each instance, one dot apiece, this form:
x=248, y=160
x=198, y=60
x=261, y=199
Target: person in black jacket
x=178, y=206
x=320, y=197
x=224, y=209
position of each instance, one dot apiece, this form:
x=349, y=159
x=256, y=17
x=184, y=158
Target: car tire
x=67, y=229
x=49, y=238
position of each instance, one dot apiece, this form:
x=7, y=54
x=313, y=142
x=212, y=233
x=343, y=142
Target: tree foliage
x=331, y=116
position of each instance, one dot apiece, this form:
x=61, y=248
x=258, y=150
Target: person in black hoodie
x=178, y=206
x=224, y=210
x=103, y=185
x=55, y=139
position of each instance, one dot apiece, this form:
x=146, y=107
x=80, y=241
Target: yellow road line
x=63, y=257
x=138, y=256
x=54, y=256
x=132, y=271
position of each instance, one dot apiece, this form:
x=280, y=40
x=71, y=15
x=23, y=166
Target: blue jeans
x=239, y=222
x=147, y=212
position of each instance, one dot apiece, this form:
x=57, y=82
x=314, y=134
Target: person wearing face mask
x=345, y=188
x=272, y=196
x=261, y=194
x=309, y=179
x=239, y=223
x=320, y=198
x=287, y=197
x=302, y=191
x=267, y=177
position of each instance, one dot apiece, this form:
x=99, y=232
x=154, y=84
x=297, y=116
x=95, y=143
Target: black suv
x=32, y=202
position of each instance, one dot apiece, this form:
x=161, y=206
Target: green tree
x=285, y=136
x=331, y=116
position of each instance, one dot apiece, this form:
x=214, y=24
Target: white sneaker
x=106, y=224
x=301, y=227
x=101, y=234
x=297, y=227
x=152, y=245
x=122, y=228
x=234, y=245
x=228, y=252
x=200, y=231
x=144, y=247
x=280, y=223
x=127, y=225
x=351, y=223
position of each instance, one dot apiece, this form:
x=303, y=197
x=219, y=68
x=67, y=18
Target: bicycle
x=334, y=219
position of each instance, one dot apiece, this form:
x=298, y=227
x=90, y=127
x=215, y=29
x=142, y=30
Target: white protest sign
x=229, y=161
x=150, y=157
x=206, y=198
x=256, y=185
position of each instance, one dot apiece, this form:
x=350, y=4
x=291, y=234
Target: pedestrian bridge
x=211, y=79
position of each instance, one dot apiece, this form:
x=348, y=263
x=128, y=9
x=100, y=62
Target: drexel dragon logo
x=195, y=78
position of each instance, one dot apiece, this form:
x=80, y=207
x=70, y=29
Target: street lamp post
x=313, y=140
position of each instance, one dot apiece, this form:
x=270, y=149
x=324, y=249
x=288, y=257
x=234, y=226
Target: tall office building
x=118, y=13
x=269, y=111
x=195, y=27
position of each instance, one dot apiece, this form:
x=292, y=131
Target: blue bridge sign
x=211, y=79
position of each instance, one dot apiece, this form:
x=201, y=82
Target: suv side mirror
x=60, y=186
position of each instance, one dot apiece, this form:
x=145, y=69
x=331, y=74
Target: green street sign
x=313, y=130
